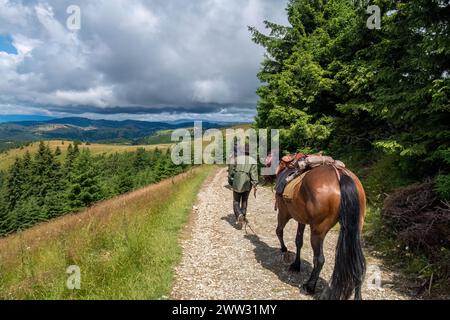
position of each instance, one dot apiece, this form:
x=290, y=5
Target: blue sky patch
x=6, y=44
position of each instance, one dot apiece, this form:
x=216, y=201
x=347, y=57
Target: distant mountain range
x=22, y=117
x=90, y=130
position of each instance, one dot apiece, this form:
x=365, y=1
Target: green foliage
x=39, y=187
x=328, y=82
x=377, y=99
x=160, y=137
x=84, y=188
x=443, y=180
x=443, y=186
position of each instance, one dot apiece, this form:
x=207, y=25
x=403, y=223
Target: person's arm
x=254, y=178
x=254, y=175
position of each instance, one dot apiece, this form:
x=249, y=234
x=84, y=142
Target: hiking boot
x=241, y=219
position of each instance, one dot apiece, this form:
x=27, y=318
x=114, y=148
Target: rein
x=247, y=224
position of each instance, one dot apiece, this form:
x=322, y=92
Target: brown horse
x=328, y=195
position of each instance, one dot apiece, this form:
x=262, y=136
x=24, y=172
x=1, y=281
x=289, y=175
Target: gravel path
x=222, y=262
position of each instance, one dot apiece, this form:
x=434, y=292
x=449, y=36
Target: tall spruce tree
x=46, y=173
x=331, y=83
x=14, y=184
x=84, y=188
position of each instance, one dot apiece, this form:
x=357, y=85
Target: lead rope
x=247, y=224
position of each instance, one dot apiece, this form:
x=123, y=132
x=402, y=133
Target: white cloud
x=133, y=53
x=138, y=17
x=13, y=14
x=55, y=30
x=25, y=45
x=99, y=97
x=207, y=91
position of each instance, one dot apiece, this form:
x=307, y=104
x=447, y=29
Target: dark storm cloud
x=194, y=109
x=133, y=56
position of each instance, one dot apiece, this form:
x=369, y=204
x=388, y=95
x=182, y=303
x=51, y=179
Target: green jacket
x=243, y=175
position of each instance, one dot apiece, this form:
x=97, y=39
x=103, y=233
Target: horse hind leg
x=282, y=221
x=295, y=266
x=319, y=260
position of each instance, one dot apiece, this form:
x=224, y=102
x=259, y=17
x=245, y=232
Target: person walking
x=242, y=177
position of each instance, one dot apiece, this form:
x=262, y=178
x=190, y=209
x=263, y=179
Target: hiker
x=242, y=177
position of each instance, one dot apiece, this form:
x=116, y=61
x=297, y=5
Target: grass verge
x=126, y=247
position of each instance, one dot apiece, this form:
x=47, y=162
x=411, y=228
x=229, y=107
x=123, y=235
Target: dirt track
x=222, y=262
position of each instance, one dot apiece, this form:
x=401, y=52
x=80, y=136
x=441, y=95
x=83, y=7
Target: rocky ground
x=221, y=261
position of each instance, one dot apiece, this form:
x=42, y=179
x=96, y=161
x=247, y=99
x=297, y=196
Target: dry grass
x=126, y=247
x=7, y=158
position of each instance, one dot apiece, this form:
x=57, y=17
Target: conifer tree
x=84, y=188
x=14, y=185
x=141, y=160
x=330, y=83
x=46, y=173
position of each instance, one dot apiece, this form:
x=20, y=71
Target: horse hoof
x=294, y=267
x=308, y=289
x=325, y=295
x=285, y=257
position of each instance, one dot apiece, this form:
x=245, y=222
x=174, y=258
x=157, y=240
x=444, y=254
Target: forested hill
x=50, y=182
x=90, y=130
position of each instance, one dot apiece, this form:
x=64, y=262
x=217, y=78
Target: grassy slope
x=7, y=158
x=159, y=137
x=126, y=247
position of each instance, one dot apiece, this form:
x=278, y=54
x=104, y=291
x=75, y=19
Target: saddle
x=293, y=166
x=292, y=158
x=289, y=162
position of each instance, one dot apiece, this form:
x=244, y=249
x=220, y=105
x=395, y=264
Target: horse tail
x=350, y=264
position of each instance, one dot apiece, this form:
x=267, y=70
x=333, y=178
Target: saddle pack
x=295, y=166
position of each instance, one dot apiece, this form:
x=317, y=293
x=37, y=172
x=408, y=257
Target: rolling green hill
x=101, y=131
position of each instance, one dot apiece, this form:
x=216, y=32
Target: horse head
x=268, y=164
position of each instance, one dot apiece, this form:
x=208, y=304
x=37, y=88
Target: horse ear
x=268, y=161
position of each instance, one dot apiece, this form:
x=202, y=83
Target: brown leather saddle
x=289, y=162
x=290, y=159
x=292, y=166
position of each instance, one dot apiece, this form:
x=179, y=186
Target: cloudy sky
x=138, y=59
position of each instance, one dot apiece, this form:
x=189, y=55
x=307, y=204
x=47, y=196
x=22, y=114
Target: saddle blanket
x=295, y=184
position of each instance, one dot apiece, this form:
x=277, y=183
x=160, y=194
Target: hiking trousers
x=240, y=201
